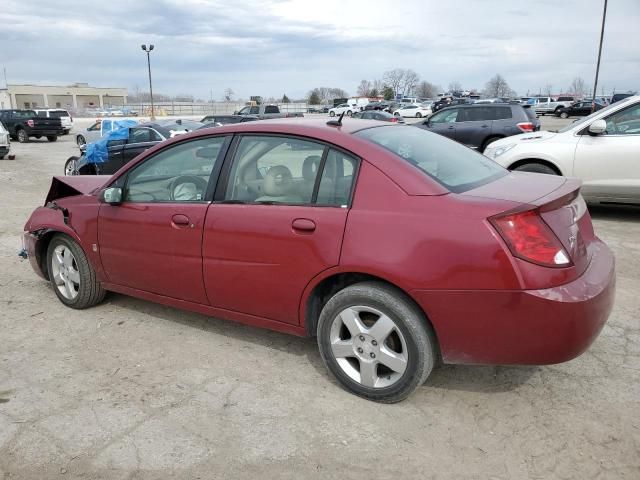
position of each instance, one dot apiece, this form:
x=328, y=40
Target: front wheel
x=418, y=115
x=536, y=167
x=52, y=138
x=332, y=114
x=564, y=115
x=349, y=113
x=375, y=342
x=71, y=275
x=71, y=166
x=80, y=141
x=22, y=136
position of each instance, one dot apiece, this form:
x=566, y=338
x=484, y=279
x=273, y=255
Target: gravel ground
x=131, y=389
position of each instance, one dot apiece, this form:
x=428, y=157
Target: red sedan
x=394, y=246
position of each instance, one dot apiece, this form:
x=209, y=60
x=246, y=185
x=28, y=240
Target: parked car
x=378, y=115
x=554, y=105
x=264, y=112
x=377, y=106
x=442, y=103
x=99, y=128
x=478, y=125
x=5, y=142
x=118, y=149
x=24, y=124
x=616, y=97
x=414, y=110
x=63, y=115
x=178, y=126
x=345, y=108
x=601, y=149
x=578, y=109
x=228, y=119
x=271, y=224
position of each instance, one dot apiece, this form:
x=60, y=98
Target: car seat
x=278, y=186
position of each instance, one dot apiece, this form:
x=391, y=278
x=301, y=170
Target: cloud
x=273, y=47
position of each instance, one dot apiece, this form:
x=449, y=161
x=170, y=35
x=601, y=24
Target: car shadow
x=615, y=213
x=470, y=378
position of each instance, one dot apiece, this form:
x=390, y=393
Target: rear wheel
x=22, y=136
x=72, y=277
x=349, y=113
x=564, y=115
x=332, y=114
x=375, y=342
x=418, y=115
x=536, y=167
x=52, y=138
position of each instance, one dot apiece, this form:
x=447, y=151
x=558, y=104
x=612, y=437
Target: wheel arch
x=541, y=161
x=323, y=287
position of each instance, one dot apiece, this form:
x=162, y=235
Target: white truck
x=549, y=105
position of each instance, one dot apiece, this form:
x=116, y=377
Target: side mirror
x=598, y=127
x=111, y=195
x=235, y=112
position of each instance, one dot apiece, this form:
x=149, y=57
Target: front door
x=443, y=122
x=609, y=164
x=153, y=240
x=278, y=223
x=140, y=139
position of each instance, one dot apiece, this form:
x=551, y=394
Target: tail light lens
x=394, y=119
x=30, y=123
x=526, y=126
x=530, y=238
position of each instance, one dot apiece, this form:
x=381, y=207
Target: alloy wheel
x=368, y=346
x=65, y=273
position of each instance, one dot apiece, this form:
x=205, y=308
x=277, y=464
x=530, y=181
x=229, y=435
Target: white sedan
x=413, y=110
x=602, y=149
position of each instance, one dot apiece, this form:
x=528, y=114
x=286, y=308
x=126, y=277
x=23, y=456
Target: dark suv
x=476, y=126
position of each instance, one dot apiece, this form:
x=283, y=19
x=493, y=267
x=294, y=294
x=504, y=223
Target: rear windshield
x=452, y=165
x=58, y=113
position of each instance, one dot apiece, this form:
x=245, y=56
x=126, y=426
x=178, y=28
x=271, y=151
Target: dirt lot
x=130, y=389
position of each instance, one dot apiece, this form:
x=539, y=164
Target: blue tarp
x=97, y=152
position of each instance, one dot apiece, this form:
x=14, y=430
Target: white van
x=63, y=115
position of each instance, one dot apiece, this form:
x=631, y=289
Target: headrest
x=310, y=167
x=278, y=181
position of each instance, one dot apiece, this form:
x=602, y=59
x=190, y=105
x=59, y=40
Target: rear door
x=473, y=125
x=609, y=164
x=140, y=139
x=278, y=222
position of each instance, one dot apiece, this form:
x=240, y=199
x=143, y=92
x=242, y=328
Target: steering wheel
x=187, y=188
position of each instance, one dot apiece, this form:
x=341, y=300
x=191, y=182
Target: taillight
x=530, y=238
x=393, y=119
x=30, y=123
x=526, y=126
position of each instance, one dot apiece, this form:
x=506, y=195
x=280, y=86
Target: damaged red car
x=394, y=246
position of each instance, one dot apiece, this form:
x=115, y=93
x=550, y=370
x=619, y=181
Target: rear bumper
x=4, y=149
x=46, y=133
x=526, y=327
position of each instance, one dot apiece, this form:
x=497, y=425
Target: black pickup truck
x=265, y=112
x=23, y=124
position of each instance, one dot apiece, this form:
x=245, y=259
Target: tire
x=410, y=347
x=70, y=167
x=536, y=167
x=52, y=138
x=418, y=115
x=349, y=113
x=64, y=270
x=564, y=115
x=80, y=140
x=22, y=135
x=487, y=142
x=66, y=132
x=332, y=114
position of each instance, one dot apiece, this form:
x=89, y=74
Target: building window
x=26, y=105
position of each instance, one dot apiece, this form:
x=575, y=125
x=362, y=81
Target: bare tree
x=455, y=86
x=378, y=86
x=577, y=87
x=228, y=94
x=394, y=79
x=426, y=90
x=409, y=82
x=364, y=89
x=548, y=88
x=498, y=87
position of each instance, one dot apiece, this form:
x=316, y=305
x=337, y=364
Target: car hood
x=69, y=186
x=524, y=138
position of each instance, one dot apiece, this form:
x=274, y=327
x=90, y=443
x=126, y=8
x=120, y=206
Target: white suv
x=601, y=149
x=5, y=142
x=63, y=115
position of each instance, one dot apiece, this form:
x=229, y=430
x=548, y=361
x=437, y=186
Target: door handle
x=303, y=225
x=484, y=126
x=181, y=220
x=451, y=127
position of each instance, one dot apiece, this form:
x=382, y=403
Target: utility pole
x=595, y=83
x=144, y=47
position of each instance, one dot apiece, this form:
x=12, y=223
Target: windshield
x=582, y=121
x=452, y=165
x=58, y=113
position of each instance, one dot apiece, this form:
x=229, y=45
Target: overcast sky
x=272, y=47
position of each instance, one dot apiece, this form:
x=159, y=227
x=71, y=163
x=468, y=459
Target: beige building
x=78, y=96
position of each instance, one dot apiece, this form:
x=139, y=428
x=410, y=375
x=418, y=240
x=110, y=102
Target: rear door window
x=501, y=113
x=271, y=109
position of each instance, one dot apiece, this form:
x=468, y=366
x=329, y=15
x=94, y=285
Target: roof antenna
x=336, y=123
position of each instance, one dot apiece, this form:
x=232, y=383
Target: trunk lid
x=558, y=202
x=75, y=185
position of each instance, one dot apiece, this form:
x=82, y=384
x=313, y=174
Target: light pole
x=595, y=83
x=144, y=47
